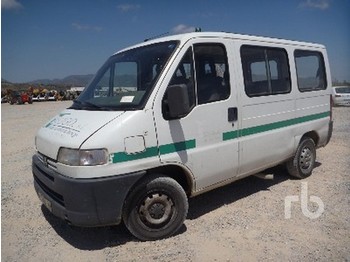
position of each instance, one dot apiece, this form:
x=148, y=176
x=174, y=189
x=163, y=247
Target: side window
x=212, y=73
x=265, y=71
x=311, y=72
x=184, y=75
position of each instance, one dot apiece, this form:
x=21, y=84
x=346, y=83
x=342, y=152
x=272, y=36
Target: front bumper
x=83, y=202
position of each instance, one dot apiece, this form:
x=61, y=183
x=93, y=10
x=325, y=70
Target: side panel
x=316, y=104
x=266, y=135
x=272, y=125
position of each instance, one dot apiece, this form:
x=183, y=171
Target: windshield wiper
x=85, y=105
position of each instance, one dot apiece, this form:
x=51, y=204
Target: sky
x=48, y=39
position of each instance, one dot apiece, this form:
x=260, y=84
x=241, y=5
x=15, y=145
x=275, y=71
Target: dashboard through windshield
x=126, y=80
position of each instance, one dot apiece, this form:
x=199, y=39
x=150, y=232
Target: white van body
x=133, y=150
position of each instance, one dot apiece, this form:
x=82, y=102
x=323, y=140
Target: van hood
x=70, y=129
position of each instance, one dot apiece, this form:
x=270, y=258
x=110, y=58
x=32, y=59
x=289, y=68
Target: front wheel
x=155, y=209
x=303, y=162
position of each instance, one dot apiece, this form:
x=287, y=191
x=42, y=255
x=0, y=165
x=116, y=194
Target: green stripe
x=273, y=126
x=120, y=157
x=190, y=144
x=229, y=135
x=123, y=157
x=176, y=147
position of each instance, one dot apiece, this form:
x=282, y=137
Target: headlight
x=75, y=157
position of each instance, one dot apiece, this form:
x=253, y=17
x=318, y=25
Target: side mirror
x=178, y=101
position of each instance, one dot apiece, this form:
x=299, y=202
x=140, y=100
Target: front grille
x=45, y=174
x=48, y=162
x=55, y=196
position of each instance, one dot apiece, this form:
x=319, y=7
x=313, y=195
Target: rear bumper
x=83, y=202
x=341, y=101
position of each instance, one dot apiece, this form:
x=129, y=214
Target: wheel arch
x=179, y=173
x=313, y=135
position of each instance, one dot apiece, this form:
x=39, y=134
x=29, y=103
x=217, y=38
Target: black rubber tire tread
x=151, y=185
x=293, y=165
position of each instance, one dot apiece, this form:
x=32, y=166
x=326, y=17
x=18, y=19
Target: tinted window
x=310, y=70
x=204, y=72
x=184, y=75
x=265, y=71
x=212, y=73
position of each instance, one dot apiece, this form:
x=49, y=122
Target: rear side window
x=311, y=71
x=265, y=71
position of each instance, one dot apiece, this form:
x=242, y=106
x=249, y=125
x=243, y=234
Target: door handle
x=232, y=115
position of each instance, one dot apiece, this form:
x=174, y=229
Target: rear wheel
x=155, y=209
x=303, y=162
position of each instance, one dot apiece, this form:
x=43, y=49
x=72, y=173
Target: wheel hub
x=305, y=158
x=156, y=209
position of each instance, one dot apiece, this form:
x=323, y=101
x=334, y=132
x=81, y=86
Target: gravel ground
x=242, y=221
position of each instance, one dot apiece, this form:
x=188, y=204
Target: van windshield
x=126, y=80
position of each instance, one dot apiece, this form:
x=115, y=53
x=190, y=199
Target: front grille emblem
x=45, y=161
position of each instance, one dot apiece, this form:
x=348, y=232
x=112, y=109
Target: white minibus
x=177, y=116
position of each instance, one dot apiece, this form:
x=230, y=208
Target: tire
x=303, y=162
x=155, y=209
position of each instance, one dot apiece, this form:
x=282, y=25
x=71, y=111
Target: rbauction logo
x=304, y=202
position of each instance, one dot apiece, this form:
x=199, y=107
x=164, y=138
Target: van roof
x=187, y=36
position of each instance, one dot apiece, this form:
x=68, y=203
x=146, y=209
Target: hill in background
x=72, y=80
x=57, y=84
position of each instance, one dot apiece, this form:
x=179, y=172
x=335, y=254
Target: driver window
x=211, y=73
x=184, y=75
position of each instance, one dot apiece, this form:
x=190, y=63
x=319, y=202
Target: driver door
x=205, y=141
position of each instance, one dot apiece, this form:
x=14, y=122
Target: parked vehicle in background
x=74, y=92
x=45, y=95
x=18, y=98
x=51, y=95
x=4, y=99
x=341, y=95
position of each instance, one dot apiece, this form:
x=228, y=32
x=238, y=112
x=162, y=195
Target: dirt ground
x=244, y=221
